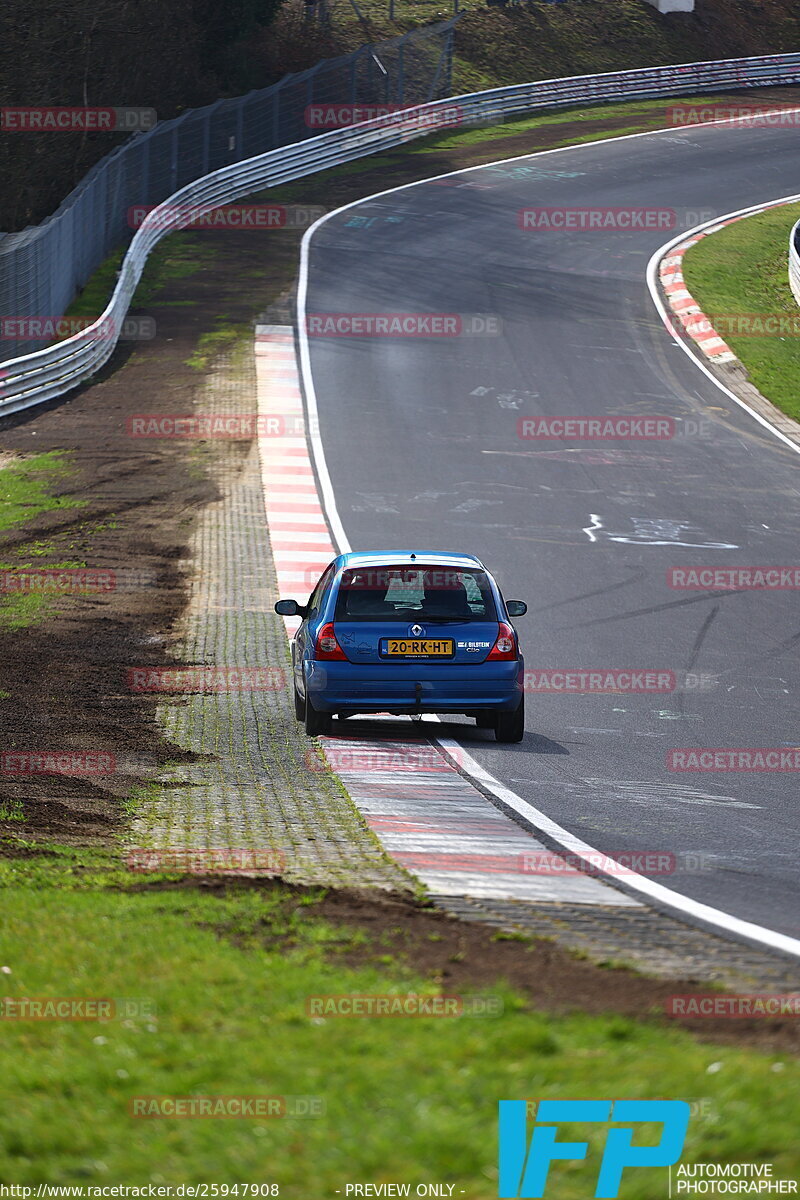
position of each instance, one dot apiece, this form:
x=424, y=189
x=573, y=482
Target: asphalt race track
x=585, y=531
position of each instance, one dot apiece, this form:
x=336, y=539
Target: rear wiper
x=448, y=620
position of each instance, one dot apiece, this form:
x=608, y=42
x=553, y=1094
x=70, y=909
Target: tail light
x=505, y=646
x=326, y=646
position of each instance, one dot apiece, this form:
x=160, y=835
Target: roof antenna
x=413, y=556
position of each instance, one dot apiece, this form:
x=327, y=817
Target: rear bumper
x=341, y=687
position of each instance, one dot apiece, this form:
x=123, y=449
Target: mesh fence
x=43, y=267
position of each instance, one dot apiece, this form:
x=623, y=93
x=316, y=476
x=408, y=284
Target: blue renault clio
x=403, y=632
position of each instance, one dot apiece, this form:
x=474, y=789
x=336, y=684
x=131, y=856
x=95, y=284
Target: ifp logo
x=524, y=1170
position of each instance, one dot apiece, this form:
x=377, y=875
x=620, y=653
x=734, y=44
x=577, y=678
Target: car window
x=411, y=593
x=315, y=599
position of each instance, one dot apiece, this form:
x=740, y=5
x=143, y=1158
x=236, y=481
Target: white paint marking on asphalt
x=646, y=791
x=653, y=531
x=590, y=529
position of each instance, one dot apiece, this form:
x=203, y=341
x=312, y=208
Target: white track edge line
x=655, y=891
x=639, y=883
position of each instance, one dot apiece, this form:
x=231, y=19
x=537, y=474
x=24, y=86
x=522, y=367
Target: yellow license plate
x=419, y=647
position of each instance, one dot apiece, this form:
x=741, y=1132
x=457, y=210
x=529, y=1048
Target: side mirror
x=516, y=608
x=289, y=608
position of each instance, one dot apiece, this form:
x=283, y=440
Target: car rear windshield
x=408, y=593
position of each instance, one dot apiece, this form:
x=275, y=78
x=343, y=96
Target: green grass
x=225, y=981
x=743, y=269
x=38, y=549
x=26, y=487
x=20, y=610
x=177, y=257
x=652, y=110
x=94, y=297
x=210, y=345
x=543, y=41
x=12, y=810
x=26, y=490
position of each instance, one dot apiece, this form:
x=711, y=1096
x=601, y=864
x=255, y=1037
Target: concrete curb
x=694, y=324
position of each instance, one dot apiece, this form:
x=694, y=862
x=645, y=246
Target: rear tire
x=299, y=706
x=510, y=726
x=316, y=722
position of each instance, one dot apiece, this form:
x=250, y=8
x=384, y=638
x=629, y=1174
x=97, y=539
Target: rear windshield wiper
x=450, y=620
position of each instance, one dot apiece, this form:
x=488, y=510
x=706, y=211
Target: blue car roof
x=379, y=558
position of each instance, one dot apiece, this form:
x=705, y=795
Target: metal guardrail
x=45, y=374
x=43, y=267
x=794, y=261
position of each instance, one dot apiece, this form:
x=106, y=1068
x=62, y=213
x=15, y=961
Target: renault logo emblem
x=416, y=631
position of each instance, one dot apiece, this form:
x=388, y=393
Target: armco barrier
x=48, y=373
x=43, y=267
x=794, y=262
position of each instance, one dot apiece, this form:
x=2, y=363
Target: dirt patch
x=471, y=957
x=467, y=958
x=63, y=681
